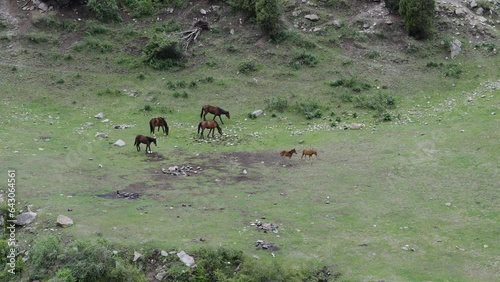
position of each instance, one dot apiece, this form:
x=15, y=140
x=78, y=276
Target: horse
x=288, y=154
x=211, y=125
x=309, y=152
x=159, y=122
x=145, y=140
x=216, y=111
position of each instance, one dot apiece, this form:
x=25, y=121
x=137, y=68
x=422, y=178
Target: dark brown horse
x=144, y=140
x=211, y=125
x=288, y=154
x=216, y=111
x=159, y=122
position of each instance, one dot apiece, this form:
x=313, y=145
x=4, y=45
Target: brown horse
x=144, y=140
x=159, y=122
x=288, y=154
x=216, y=111
x=309, y=152
x=211, y=125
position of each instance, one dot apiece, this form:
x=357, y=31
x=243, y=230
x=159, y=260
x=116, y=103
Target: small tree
x=392, y=6
x=268, y=15
x=417, y=16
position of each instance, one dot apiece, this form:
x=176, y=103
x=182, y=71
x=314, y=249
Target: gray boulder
x=64, y=221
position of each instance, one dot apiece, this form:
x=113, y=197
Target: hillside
x=403, y=186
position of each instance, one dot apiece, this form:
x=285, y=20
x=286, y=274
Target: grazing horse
x=159, y=122
x=216, y=111
x=145, y=140
x=308, y=152
x=211, y=125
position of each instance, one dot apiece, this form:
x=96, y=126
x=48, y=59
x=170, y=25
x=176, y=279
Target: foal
x=288, y=154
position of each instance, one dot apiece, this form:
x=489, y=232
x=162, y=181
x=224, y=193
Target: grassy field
x=414, y=198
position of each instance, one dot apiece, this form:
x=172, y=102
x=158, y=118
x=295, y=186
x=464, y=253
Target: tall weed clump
x=162, y=53
x=105, y=10
x=267, y=13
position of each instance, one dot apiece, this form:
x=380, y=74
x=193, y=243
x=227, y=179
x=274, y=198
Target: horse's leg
x=221, y=119
x=201, y=134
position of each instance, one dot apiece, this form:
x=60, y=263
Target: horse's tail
x=199, y=127
x=202, y=110
x=151, y=127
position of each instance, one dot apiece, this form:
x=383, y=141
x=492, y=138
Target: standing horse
x=216, y=111
x=288, y=154
x=211, y=125
x=159, y=122
x=309, y=152
x=144, y=140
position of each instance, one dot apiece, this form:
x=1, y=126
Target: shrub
x=140, y=8
x=268, y=15
x=372, y=54
x=310, y=109
x=392, y=6
x=453, y=70
x=162, y=53
x=93, y=28
x=417, y=16
x=45, y=252
x=379, y=102
x=247, y=67
x=105, y=10
x=147, y=108
x=38, y=37
x=278, y=104
x=169, y=26
x=303, y=59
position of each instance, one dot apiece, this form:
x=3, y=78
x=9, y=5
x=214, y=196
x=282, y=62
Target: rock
x=119, y=143
x=186, y=259
x=25, y=218
x=455, y=48
x=473, y=4
x=447, y=204
x=99, y=116
x=257, y=113
x=136, y=256
x=160, y=275
x=164, y=253
x=203, y=11
x=356, y=125
x=337, y=23
x=64, y=221
x=245, y=172
x=101, y=135
x=123, y=126
x=312, y=17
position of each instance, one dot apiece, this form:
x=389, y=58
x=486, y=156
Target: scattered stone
x=266, y=246
x=267, y=227
x=312, y=17
x=119, y=143
x=123, y=126
x=203, y=11
x=185, y=170
x=160, y=275
x=101, y=135
x=127, y=195
x=356, y=126
x=455, y=48
x=25, y=218
x=64, y=221
x=136, y=256
x=257, y=113
x=245, y=172
x=447, y=204
x=164, y=253
x=99, y=116
x=186, y=259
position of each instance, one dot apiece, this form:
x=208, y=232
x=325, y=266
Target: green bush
x=417, y=16
x=392, y=6
x=268, y=15
x=278, y=104
x=303, y=59
x=140, y=8
x=247, y=67
x=379, y=102
x=162, y=53
x=105, y=10
x=45, y=252
x=38, y=37
x=310, y=109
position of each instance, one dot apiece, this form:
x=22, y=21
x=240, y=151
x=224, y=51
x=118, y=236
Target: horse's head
x=293, y=151
x=227, y=115
x=154, y=141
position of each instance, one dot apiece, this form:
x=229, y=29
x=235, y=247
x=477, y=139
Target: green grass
x=368, y=193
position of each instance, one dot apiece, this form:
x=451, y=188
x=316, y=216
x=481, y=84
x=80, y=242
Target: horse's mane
x=223, y=111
